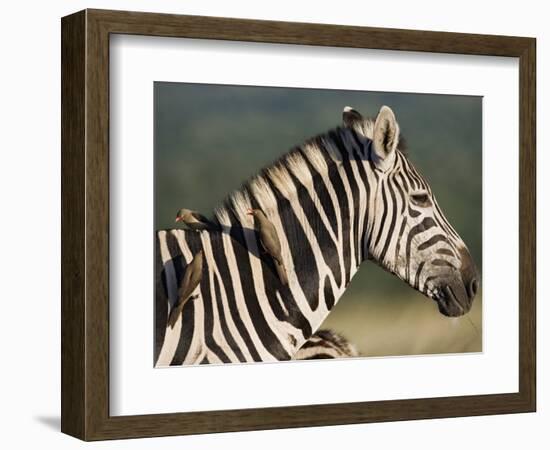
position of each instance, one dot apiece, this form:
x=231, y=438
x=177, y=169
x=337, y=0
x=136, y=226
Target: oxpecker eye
x=421, y=199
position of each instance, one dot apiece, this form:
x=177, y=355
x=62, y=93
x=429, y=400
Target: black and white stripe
x=334, y=201
x=326, y=344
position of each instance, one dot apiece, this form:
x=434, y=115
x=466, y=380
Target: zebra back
x=326, y=344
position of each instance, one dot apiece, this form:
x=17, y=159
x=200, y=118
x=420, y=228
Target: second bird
x=191, y=279
x=270, y=242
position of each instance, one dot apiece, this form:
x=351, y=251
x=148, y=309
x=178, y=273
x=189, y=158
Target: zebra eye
x=421, y=199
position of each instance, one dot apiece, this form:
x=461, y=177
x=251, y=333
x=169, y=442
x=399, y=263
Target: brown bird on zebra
x=191, y=279
x=193, y=220
x=270, y=242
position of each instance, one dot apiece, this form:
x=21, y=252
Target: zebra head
x=407, y=233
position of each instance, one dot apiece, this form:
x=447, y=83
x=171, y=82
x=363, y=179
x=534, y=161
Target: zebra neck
x=316, y=199
x=324, y=224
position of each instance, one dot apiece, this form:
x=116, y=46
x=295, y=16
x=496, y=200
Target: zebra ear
x=385, y=138
x=351, y=117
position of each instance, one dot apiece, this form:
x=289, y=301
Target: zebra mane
x=258, y=192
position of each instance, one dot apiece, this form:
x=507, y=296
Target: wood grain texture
x=97, y=225
x=151, y=24
x=85, y=224
x=73, y=110
x=527, y=224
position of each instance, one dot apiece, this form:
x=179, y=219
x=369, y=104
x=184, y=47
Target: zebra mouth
x=447, y=301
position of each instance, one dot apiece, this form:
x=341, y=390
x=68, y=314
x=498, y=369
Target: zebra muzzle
x=449, y=304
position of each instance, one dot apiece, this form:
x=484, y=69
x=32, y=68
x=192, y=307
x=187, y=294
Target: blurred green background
x=211, y=138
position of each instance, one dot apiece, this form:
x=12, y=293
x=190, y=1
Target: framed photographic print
x=270, y=224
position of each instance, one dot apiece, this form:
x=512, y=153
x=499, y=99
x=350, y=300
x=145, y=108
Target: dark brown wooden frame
x=85, y=224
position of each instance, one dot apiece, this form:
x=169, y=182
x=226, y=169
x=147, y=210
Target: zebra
x=326, y=344
x=345, y=196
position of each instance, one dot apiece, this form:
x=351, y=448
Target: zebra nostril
x=472, y=288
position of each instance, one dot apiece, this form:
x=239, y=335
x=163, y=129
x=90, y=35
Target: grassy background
x=210, y=138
